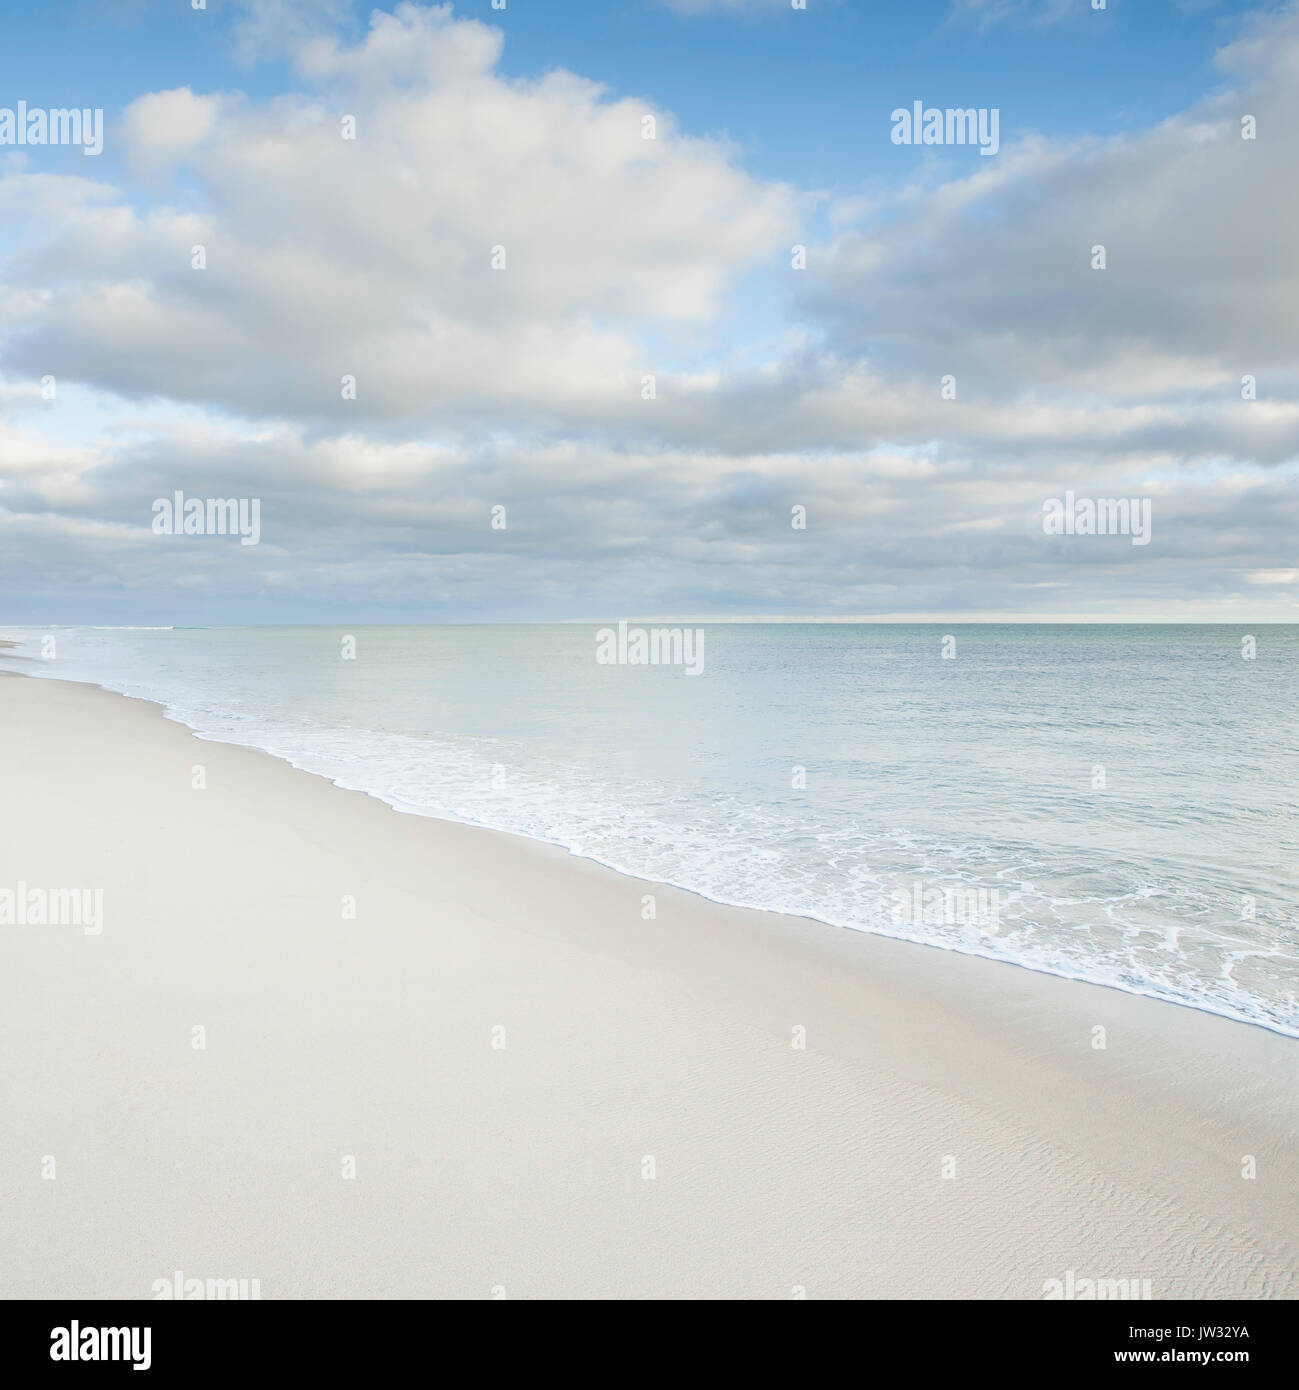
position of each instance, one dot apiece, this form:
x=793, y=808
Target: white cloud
x=373, y=257
x=164, y=126
x=523, y=387
x=990, y=277
x=270, y=28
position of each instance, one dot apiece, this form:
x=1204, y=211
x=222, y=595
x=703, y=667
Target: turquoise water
x=1177, y=877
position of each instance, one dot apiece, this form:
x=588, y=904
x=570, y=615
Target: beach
x=442, y=1061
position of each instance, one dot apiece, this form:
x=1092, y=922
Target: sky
x=579, y=310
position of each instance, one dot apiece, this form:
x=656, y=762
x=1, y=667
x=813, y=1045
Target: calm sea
x=1115, y=803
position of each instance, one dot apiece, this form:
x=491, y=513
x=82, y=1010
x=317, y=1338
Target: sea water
x=1120, y=802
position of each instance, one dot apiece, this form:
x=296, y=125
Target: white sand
x=522, y=1167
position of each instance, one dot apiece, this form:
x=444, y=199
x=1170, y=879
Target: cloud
x=481, y=247
x=268, y=29
x=625, y=257
x=992, y=277
x=165, y=126
x=349, y=521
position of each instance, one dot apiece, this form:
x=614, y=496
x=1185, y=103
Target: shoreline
x=405, y=809
x=671, y=1037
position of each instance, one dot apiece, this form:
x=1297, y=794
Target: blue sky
x=801, y=92
x=775, y=387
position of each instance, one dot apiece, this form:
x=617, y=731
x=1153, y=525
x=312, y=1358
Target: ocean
x=1117, y=804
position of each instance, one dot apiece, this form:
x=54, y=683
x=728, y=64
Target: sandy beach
x=354, y=1127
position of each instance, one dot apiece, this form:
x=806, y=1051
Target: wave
x=743, y=855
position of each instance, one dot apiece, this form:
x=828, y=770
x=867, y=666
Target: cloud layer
x=543, y=296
